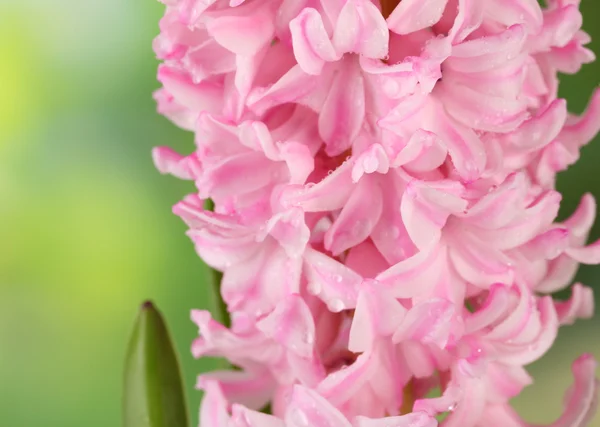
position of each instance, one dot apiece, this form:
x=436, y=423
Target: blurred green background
x=86, y=229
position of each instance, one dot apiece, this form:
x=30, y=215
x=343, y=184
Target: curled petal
x=582, y=399
x=311, y=43
x=428, y=322
x=579, y=306
x=586, y=254
x=581, y=221
x=377, y=314
x=426, y=207
x=492, y=309
x=168, y=161
x=414, y=15
x=415, y=275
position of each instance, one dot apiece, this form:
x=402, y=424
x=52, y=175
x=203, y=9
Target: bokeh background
x=86, y=231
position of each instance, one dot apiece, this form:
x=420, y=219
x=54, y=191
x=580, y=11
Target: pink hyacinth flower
x=383, y=180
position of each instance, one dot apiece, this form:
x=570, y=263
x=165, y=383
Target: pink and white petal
x=517, y=318
x=561, y=272
x=291, y=324
x=342, y=385
x=204, y=96
x=343, y=112
x=167, y=161
x=413, y=15
x=170, y=108
x=289, y=229
x=479, y=263
x=525, y=354
x=581, y=221
x=308, y=409
x=589, y=254
x=213, y=411
x=415, y=419
x=294, y=85
x=487, y=53
x=493, y=308
x=500, y=206
x=310, y=41
x=357, y=219
x=361, y=29
x=428, y=322
x=468, y=19
x=251, y=389
x=243, y=34
x=334, y=283
x=425, y=209
x=541, y=129
x=373, y=160
x=579, y=306
x=299, y=161
x=416, y=275
x=581, y=130
x=464, y=146
x=244, y=417
x=330, y=194
x=377, y=314
x=548, y=245
x=527, y=12
x=581, y=400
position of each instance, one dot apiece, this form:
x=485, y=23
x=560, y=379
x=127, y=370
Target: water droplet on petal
x=335, y=305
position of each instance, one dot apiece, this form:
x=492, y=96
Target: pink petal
x=357, y=219
x=589, y=254
x=343, y=112
x=495, y=306
x=582, y=399
x=243, y=34
x=252, y=389
x=579, y=306
x=413, y=15
x=308, y=409
x=244, y=417
x=415, y=419
x=311, y=43
x=415, y=275
x=204, y=96
x=361, y=29
x=331, y=281
x=292, y=325
x=213, y=412
x=377, y=314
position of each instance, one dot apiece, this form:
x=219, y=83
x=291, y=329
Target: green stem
x=219, y=308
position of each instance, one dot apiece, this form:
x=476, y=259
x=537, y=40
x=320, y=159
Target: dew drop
x=314, y=288
x=335, y=305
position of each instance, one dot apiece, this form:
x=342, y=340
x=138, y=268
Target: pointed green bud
x=153, y=391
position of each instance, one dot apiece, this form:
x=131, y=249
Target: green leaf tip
x=153, y=393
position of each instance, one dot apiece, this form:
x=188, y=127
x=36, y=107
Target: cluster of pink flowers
x=384, y=207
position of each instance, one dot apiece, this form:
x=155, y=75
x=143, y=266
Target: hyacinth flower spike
x=383, y=210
